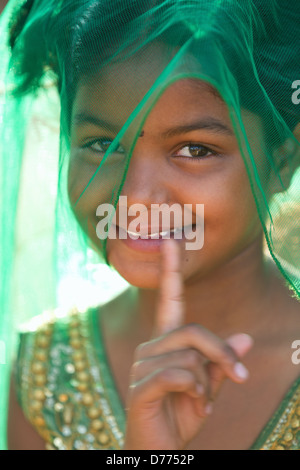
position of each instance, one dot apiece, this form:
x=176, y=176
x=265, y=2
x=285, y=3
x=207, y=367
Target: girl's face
x=187, y=154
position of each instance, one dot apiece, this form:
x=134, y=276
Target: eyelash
x=89, y=145
x=199, y=146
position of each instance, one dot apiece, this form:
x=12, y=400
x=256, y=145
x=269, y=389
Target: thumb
x=241, y=344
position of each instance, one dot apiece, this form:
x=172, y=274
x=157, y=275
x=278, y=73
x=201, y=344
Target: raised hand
x=176, y=376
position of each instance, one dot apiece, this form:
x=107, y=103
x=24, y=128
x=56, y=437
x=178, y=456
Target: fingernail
x=248, y=337
x=200, y=389
x=241, y=371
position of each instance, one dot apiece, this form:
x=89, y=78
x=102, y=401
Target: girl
x=166, y=103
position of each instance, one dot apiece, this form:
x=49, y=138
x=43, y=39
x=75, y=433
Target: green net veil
x=79, y=82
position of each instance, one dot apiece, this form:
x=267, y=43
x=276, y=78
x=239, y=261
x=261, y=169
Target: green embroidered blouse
x=67, y=392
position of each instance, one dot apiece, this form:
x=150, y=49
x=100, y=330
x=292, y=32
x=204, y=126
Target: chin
x=139, y=274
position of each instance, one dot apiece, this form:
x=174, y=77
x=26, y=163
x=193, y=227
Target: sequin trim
x=63, y=393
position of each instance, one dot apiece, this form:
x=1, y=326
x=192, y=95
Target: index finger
x=170, y=309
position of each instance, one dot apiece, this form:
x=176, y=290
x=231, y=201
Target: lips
x=150, y=242
x=155, y=234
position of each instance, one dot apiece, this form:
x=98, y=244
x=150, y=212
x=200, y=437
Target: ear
x=287, y=161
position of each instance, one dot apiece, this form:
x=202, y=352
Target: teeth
x=152, y=235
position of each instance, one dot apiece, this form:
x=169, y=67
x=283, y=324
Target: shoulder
x=48, y=342
x=50, y=347
x=52, y=330
x=50, y=319
x=59, y=381
x=42, y=340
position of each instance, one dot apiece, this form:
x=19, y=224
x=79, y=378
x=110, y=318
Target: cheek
x=230, y=213
x=79, y=175
x=88, y=188
x=84, y=198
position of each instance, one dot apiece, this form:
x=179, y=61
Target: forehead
x=114, y=102
x=117, y=89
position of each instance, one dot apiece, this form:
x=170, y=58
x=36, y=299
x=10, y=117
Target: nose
x=146, y=180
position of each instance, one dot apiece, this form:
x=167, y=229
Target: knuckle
x=192, y=358
x=135, y=395
x=192, y=329
x=177, y=298
x=227, y=354
x=136, y=368
x=164, y=376
x=140, y=351
x=171, y=378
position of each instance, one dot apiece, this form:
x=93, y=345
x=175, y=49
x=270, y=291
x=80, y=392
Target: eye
x=195, y=151
x=102, y=145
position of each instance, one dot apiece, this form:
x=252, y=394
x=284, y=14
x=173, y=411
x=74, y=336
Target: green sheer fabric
x=64, y=63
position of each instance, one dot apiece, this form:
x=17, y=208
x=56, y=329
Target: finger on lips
x=201, y=359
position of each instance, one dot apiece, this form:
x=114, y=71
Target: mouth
x=151, y=242
x=156, y=235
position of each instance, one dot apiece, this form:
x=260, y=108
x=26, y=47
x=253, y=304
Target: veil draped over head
x=124, y=55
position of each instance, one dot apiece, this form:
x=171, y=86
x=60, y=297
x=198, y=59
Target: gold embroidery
x=286, y=434
x=72, y=431
x=37, y=379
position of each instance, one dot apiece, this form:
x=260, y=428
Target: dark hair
x=84, y=41
x=18, y=22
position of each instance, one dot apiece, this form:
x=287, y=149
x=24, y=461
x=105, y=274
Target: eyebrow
x=207, y=123
x=83, y=119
